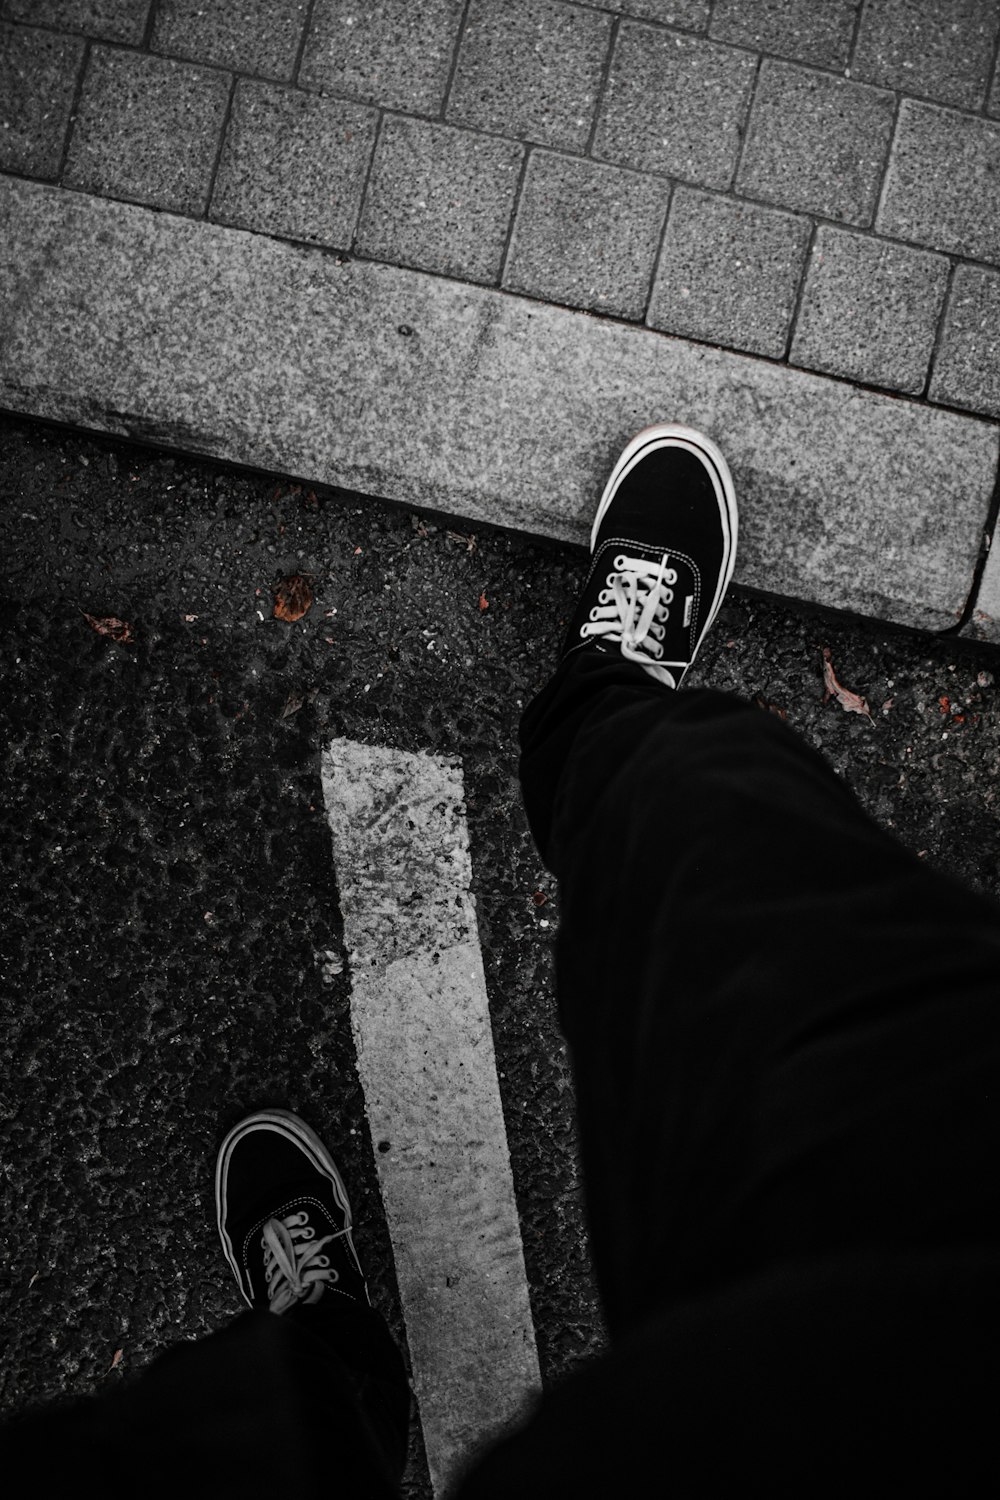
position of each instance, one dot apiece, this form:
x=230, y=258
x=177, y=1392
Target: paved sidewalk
x=812, y=186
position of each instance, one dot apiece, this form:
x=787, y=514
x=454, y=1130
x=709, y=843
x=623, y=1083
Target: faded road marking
x=427, y=1066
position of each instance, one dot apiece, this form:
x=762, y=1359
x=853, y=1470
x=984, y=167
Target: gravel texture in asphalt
x=169, y=905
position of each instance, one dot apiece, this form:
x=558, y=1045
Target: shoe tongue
x=294, y=1198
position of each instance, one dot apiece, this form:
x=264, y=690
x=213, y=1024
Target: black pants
x=784, y=1037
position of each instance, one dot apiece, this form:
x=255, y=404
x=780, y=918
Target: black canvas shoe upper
x=663, y=552
x=284, y=1215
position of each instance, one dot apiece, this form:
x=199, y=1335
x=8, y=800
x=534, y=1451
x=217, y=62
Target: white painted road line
x=424, y=1043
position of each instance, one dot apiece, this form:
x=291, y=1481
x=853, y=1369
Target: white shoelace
x=631, y=610
x=294, y=1269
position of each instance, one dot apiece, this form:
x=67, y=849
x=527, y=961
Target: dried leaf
x=117, y=1360
x=294, y=701
x=770, y=707
x=118, y=630
x=484, y=603
x=469, y=542
x=851, y=703
x=539, y=898
x=293, y=596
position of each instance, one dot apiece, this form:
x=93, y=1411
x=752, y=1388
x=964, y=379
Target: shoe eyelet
x=671, y=576
x=605, y=597
x=658, y=651
x=620, y=561
x=593, y=613
x=610, y=579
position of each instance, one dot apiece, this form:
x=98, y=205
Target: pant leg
x=783, y=1025
x=314, y=1401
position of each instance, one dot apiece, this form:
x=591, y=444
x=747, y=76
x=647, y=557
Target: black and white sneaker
x=284, y=1215
x=664, y=549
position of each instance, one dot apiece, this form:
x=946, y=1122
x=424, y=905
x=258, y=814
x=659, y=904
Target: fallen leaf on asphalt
x=773, y=708
x=469, y=542
x=293, y=598
x=851, y=703
x=118, y=630
x=117, y=1360
x=484, y=603
x=294, y=701
x=539, y=898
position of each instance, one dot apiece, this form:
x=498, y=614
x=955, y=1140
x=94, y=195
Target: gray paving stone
x=799, y=29
x=943, y=184
x=849, y=498
x=674, y=104
x=816, y=143
x=388, y=52
x=530, y=68
x=940, y=48
x=294, y=164
x=440, y=199
x=967, y=367
x=249, y=36
x=38, y=74
x=586, y=234
x=869, y=310
x=691, y=15
x=147, y=129
x=107, y=20
x=729, y=272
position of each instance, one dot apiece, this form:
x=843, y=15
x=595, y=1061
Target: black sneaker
x=664, y=549
x=284, y=1215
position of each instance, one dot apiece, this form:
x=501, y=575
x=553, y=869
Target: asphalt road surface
x=173, y=939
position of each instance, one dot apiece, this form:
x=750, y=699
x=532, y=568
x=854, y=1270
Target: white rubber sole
x=672, y=435
x=305, y=1137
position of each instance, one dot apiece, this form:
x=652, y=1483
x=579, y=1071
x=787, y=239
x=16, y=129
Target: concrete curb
x=474, y=402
